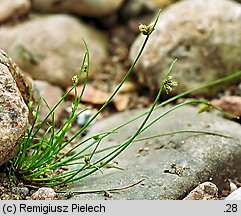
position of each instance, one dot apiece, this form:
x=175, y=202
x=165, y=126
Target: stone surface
x=13, y=9
x=22, y=191
x=136, y=7
x=231, y=104
x=13, y=110
x=206, y=44
x=51, y=48
x=93, y=8
x=163, y=3
x=171, y=165
x=235, y=195
x=51, y=94
x=44, y=193
x=204, y=191
x=22, y=80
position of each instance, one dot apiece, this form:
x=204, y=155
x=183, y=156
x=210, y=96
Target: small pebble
x=22, y=191
x=233, y=186
x=84, y=117
x=204, y=191
x=44, y=193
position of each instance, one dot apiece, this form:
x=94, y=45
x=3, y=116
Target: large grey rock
x=194, y=158
x=51, y=48
x=13, y=9
x=93, y=8
x=13, y=110
x=203, y=35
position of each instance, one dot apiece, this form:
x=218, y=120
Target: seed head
x=169, y=84
x=205, y=107
x=87, y=160
x=75, y=80
x=146, y=29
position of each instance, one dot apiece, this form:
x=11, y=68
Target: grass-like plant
x=37, y=158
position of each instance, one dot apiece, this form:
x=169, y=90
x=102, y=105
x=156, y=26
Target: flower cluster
x=205, y=107
x=169, y=84
x=146, y=29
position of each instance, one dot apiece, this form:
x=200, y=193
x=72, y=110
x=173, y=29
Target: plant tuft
x=40, y=159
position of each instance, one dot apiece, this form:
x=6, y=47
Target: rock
x=51, y=94
x=171, y=165
x=13, y=110
x=13, y=9
x=22, y=80
x=93, y=8
x=135, y=7
x=84, y=117
x=163, y=3
x=44, y=193
x=50, y=47
x=206, y=44
x=236, y=195
x=231, y=104
x=232, y=186
x=22, y=191
x=204, y=191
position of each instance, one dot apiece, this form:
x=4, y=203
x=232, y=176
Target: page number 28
x=231, y=208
